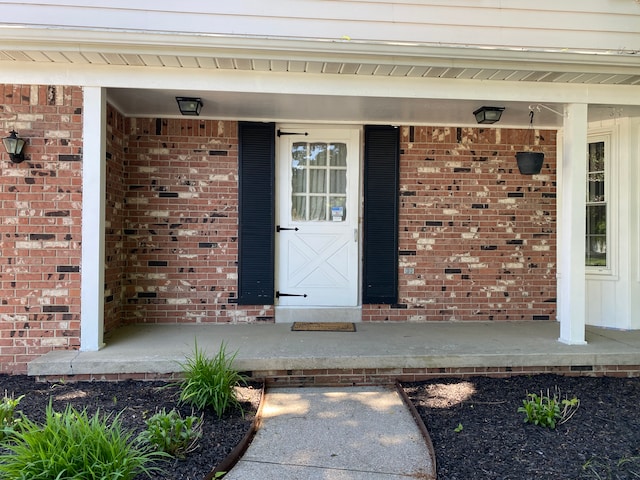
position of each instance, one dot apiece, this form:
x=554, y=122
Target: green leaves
x=548, y=410
x=72, y=445
x=8, y=419
x=170, y=433
x=210, y=382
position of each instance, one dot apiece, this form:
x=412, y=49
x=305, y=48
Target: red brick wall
x=181, y=223
x=40, y=223
x=115, y=257
x=477, y=238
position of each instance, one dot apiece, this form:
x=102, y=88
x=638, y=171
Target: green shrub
x=210, y=382
x=70, y=445
x=170, y=433
x=548, y=410
x=8, y=419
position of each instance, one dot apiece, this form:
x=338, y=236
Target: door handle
x=355, y=235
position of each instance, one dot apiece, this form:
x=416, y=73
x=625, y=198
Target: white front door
x=317, y=217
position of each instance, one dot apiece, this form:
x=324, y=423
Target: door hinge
x=279, y=294
x=280, y=133
x=279, y=228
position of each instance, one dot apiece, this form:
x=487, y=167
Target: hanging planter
x=530, y=163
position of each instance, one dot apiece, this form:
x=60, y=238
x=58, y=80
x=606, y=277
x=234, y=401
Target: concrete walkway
x=357, y=433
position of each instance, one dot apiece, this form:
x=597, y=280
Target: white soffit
x=337, y=59
x=333, y=57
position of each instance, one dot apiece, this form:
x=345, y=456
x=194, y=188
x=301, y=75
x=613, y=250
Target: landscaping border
x=235, y=454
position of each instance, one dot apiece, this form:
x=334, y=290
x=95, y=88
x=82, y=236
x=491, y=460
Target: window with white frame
x=597, y=221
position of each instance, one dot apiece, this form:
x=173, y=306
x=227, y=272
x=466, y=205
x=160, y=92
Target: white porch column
x=571, y=226
x=93, y=218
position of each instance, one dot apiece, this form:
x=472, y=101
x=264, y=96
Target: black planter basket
x=530, y=163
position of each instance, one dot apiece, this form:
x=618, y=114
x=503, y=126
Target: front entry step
x=324, y=314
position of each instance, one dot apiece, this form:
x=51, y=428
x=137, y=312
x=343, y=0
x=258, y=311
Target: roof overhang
x=397, y=64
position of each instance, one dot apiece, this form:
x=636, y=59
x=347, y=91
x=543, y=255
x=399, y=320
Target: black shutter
x=256, y=170
x=381, y=181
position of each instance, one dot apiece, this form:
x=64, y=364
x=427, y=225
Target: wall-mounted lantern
x=14, y=146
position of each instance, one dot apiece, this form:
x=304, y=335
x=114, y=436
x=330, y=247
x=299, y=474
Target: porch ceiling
x=337, y=109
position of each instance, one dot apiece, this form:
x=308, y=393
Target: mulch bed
x=137, y=401
x=474, y=424
x=477, y=432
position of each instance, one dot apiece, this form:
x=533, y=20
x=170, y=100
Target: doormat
x=323, y=327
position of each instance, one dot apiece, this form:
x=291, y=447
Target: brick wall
x=477, y=238
x=40, y=223
x=181, y=223
x=115, y=256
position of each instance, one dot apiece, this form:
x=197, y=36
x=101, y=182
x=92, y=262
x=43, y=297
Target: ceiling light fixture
x=189, y=105
x=488, y=115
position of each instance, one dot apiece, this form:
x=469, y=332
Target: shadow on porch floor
x=376, y=353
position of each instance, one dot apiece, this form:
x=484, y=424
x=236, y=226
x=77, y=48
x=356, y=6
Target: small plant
x=548, y=410
x=596, y=470
x=630, y=466
x=170, y=433
x=607, y=469
x=8, y=420
x=72, y=445
x=210, y=382
x=459, y=428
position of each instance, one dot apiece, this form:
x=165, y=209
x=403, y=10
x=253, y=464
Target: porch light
x=189, y=105
x=14, y=146
x=488, y=114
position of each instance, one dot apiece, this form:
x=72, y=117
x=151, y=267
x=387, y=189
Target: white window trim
x=610, y=136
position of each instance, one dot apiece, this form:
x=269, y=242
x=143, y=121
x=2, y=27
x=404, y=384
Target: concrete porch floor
x=272, y=350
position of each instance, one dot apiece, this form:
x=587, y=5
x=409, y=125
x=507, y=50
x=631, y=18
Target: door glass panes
x=338, y=181
x=317, y=154
x=338, y=154
x=298, y=180
x=596, y=208
x=318, y=181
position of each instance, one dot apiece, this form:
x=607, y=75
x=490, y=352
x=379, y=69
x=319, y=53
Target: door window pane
x=298, y=180
x=338, y=181
x=317, y=208
x=318, y=181
x=339, y=202
x=318, y=154
x=298, y=208
x=338, y=153
x=299, y=154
